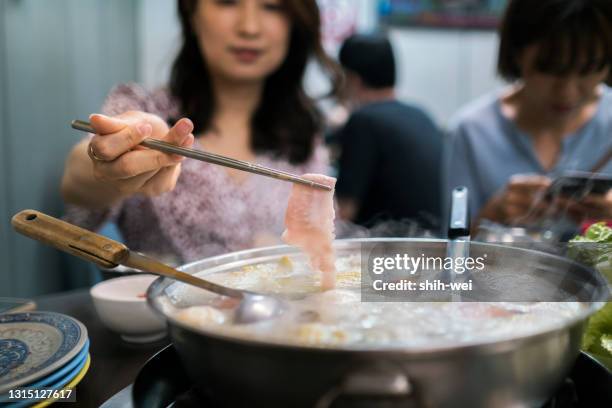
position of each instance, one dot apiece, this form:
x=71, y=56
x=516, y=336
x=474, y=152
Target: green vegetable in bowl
x=606, y=342
x=598, y=337
x=594, y=248
x=598, y=232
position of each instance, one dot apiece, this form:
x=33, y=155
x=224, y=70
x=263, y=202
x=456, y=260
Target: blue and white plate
x=60, y=373
x=57, y=384
x=34, y=345
x=55, y=380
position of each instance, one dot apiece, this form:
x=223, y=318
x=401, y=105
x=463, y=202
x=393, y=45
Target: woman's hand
x=112, y=166
x=521, y=200
x=119, y=161
x=597, y=207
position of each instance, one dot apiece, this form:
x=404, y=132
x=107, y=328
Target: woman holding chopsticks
x=235, y=90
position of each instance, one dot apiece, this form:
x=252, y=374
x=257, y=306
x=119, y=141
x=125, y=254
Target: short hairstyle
x=370, y=56
x=565, y=30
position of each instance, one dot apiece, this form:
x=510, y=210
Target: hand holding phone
x=583, y=195
x=578, y=185
x=519, y=201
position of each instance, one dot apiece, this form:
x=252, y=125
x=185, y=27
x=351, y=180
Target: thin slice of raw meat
x=309, y=223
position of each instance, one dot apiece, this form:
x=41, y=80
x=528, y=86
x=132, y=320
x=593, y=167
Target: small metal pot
x=520, y=372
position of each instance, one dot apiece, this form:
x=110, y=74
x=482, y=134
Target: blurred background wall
x=59, y=58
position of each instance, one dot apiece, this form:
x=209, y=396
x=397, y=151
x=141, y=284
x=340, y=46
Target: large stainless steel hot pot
x=520, y=372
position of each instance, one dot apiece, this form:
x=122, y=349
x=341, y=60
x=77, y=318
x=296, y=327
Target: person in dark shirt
x=390, y=152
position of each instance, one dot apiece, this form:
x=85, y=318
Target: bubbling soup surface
x=337, y=317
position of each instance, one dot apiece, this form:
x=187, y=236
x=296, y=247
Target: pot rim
x=156, y=289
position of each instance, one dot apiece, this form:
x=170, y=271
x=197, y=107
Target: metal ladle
x=108, y=253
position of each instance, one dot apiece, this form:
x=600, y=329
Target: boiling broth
x=338, y=317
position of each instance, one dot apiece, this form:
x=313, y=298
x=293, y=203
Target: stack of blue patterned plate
x=40, y=351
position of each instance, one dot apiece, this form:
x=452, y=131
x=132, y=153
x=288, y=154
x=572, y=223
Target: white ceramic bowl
x=121, y=304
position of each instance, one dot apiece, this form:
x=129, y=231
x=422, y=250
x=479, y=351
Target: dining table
x=114, y=362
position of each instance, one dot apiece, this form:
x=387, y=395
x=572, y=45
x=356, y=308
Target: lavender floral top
x=208, y=213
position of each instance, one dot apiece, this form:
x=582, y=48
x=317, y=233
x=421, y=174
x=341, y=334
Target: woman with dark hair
x=238, y=78
x=556, y=116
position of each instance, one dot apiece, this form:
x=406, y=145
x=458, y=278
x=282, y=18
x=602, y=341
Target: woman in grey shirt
x=556, y=116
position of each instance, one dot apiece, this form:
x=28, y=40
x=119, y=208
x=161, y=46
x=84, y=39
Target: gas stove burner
x=163, y=383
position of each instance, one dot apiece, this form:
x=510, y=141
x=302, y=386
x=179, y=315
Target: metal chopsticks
x=214, y=158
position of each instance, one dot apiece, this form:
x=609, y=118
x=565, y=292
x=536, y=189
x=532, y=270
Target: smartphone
x=578, y=185
x=13, y=305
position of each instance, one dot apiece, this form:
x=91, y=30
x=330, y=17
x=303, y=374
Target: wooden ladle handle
x=70, y=238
